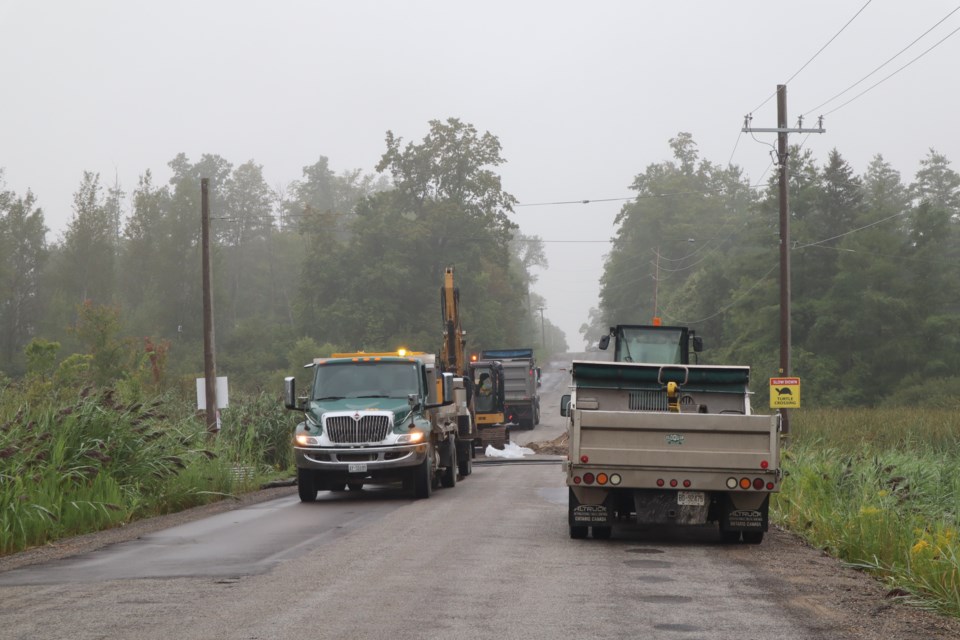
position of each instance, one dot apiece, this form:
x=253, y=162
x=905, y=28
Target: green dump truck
x=376, y=417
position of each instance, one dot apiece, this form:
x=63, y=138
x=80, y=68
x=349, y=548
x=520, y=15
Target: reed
x=880, y=489
x=99, y=461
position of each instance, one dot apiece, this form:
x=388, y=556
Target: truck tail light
x=602, y=478
x=758, y=483
x=615, y=479
x=770, y=486
x=584, y=459
x=576, y=480
x=744, y=483
x=659, y=482
x=673, y=483
x=588, y=478
x=686, y=484
x=764, y=464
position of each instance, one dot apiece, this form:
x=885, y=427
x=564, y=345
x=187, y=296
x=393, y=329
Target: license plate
x=691, y=498
x=361, y=467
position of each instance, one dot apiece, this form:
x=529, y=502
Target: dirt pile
x=556, y=447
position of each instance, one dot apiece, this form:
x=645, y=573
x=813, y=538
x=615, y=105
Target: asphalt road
x=489, y=558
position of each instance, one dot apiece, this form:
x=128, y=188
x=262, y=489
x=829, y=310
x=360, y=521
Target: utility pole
x=209, y=363
x=543, y=335
x=782, y=160
x=656, y=285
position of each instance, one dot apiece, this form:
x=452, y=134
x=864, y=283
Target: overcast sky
x=583, y=96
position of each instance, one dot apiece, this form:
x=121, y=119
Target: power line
x=889, y=60
x=846, y=233
x=770, y=97
x=870, y=88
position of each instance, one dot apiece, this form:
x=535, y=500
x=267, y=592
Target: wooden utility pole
x=543, y=335
x=209, y=362
x=783, y=156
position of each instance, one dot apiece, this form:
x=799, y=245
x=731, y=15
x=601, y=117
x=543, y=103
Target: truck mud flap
x=582, y=515
x=733, y=518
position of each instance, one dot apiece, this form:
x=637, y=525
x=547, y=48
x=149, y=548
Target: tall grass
x=97, y=461
x=881, y=490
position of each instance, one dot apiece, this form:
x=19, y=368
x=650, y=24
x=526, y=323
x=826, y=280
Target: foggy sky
x=583, y=96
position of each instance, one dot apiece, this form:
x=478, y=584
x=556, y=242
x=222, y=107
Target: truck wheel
x=448, y=478
x=306, y=486
x=423, y=478
x=753, y=537
x=601, y=533
x=578, y=532
x=465, y=459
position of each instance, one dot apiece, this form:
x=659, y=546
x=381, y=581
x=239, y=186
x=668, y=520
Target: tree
x=23, y=256
x=372, y=275
x=86, y=268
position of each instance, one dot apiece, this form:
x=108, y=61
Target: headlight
x=304, y=440
x=411, y=438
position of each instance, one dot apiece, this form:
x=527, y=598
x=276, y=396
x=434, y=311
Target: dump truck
x=521, y=379
x=666, y=443
x=375, y=417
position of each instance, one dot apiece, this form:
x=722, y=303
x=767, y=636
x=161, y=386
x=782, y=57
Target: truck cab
x=652, y=343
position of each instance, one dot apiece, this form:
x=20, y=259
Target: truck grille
x=648, y=401
x=346, y=429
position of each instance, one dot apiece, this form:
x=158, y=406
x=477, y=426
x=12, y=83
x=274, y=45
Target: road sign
x=784, y=393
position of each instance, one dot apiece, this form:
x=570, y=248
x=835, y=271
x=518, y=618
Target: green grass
x=880, y=489
x=97, y=462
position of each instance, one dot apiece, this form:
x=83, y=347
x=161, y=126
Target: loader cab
x=488, y=387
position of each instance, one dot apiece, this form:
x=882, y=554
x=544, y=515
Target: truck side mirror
x=290, y=394
x=604, y=342
x=565, y=405
x=697, y=344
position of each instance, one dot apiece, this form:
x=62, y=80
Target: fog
x=583, y=96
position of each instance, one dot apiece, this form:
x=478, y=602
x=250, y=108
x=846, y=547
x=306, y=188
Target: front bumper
x=340, y=459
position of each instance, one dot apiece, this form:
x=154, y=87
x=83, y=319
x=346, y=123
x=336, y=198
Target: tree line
x=328, y=262
x=875, y=272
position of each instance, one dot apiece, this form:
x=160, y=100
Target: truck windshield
x=660, y=346
x=335, y=381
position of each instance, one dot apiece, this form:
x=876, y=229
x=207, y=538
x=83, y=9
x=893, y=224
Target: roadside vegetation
x=81, y=459
x=880, y=489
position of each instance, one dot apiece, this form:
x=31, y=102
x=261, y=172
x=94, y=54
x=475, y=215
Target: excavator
x=481, y=420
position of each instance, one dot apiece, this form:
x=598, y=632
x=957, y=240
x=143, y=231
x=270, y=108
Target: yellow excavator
x=481, y=420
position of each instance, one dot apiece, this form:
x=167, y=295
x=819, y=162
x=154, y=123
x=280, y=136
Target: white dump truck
x=667, y=443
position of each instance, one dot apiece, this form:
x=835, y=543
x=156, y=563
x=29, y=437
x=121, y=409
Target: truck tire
x=577, y=532
x=306, y=485
x=448, y=478
x=423, y=478
x=465, y=459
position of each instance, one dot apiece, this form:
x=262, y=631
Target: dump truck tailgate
x=635, y=439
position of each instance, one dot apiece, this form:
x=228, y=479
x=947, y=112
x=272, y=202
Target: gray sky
x=583, y=96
